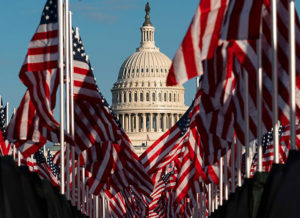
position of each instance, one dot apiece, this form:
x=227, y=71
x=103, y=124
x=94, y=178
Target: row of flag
x=191, y=168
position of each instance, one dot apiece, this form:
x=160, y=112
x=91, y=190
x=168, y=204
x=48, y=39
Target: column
x=151, y=122
x=129, y=122
x=164, y=122
x=172, y=120
x=158, y=122
x=175, y=117
x=144, y=122
x=125, y=122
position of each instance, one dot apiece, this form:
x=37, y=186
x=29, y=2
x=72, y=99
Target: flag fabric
x=43, y=169
x=199, y=42
x=105, y=149
x=268, y=152
x=3, y=118
x=41, y=63
x=55, y=169
x=242, y=20
x=33, y=122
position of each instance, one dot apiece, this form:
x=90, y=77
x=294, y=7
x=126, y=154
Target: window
x=125, y=99
x=170, y=97
x=141, y=97
x=137, y=70
x=120, y=97
x=159, y=96
x=165, y=97
x=142, y=70
x=147, y=70
x=174, y=97
x=147, y=96
x=156, y=70
x=135, y=97
x=153, y=96
x=130, y=98
x=152, y=70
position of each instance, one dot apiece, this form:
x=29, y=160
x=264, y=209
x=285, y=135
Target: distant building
x=145, y=106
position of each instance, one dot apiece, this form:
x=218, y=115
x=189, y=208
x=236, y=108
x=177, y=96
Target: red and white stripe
x=242, y=20
x=199, y=42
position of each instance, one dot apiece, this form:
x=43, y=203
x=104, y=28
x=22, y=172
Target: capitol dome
x=145, y=106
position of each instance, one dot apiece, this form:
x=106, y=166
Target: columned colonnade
x=148, y=122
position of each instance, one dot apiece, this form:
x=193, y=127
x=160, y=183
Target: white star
x=73, y=52
x=50, y=2
x=47, y=17
x=47, y=7
x=78, y=49
x=75, y=44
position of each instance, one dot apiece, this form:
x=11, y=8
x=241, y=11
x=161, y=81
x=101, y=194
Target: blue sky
x=109, y=30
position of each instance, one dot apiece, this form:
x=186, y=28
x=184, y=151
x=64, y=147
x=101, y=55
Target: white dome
x=145, y=64
x=145, y=106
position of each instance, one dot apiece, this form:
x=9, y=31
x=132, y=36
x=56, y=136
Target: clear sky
x=109, y=30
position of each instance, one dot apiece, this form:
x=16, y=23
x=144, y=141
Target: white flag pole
x=96, y=206
x=239, y=163
x=233, y=166
x=83, y=190
x=292, y=68
x=78, y=184
x=7, y=113
x=67, y=88
x=61, y=69
x=274, y=81
x=209, y=200
x=246, y=114
x=226, y=175
x=72, y=103
x=259, y=98
x=221, y=180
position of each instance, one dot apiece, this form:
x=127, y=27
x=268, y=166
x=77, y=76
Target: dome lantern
x=147, y=33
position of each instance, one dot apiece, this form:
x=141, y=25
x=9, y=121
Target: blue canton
x=49, y=14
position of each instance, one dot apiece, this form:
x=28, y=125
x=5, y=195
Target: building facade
x=145, y=106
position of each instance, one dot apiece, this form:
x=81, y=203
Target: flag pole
x=83, y=189
x=259, y=98
x=233, y=166
x=96, y=206
x=61, y=70
x=67, y=88
x=292, y=68
x=7, y=113
x=226, y=175
x=274, y=81
x=221, y=180
x=72, y=103
x=78, y=160
x=209, y=199
x=239, y=163
x=246, y=113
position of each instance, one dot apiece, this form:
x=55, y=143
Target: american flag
x=2, y=118
x=245, y=52
x=199, y=42
x=34, y=122
x=268, y=152
x=40, y=64
x=164, y=147
x=43, y=169
x=242, y=20
x=54, y=168
x=102, y=143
